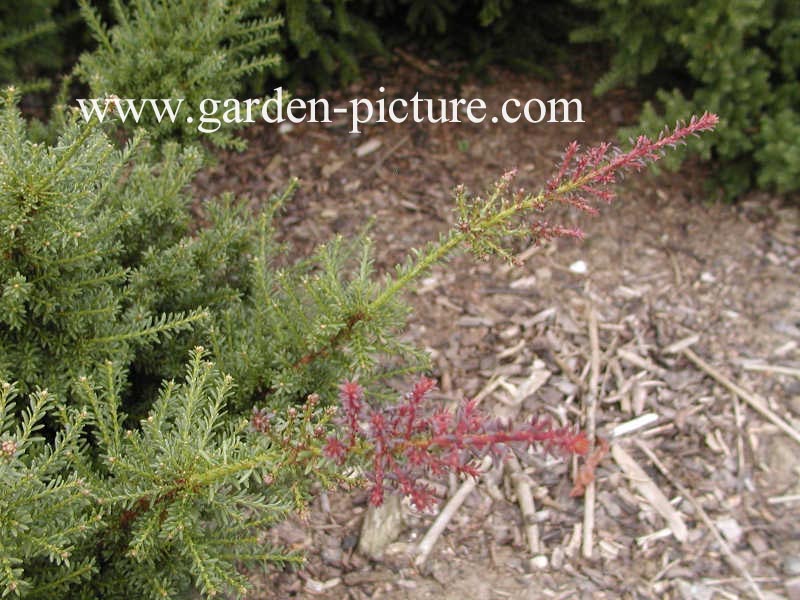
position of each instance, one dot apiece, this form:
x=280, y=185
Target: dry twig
x=780, y=369
x=522, y=490
x=590, y=404
x=734, y=560
x=435, y=531
x=756, y=403
x=650, y=491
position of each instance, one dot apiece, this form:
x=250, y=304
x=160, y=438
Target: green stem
x=169, y=325
x=431, y=258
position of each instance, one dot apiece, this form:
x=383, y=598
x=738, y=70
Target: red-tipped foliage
x=586, y=176
x=596, y=168
x=405, y=444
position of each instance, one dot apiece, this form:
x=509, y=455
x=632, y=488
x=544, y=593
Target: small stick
x=522, y=490
x=487, y=389
x=379, y=163
x=640, y=362
x=784, y=499
x=734, y=560
x=737, y=414
x=634, y=424
x=590, y=404
x=432, y=535
x=751, y=399
x=780, y=369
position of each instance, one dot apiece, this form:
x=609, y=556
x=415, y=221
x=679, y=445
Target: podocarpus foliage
x=741, y=59
x=179, y=50
x=29, y=46
x=115, y=509
x=99, y=263
x=109, y=488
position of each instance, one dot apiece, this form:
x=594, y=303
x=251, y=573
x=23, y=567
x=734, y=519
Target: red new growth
x=585, y=176
x=405, y=444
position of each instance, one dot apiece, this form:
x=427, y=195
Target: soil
x=665, y=262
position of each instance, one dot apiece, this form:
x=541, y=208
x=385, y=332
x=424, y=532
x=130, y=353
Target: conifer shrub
x=125, y=473
x=29, y=46
x=188, y=50
x=100, y=263
x=93, y=247
x=740, y=59
x=327, y=42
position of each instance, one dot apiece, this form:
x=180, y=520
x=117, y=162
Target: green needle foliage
x=46, y=510
x=29, y=47
x=73, y=219
x=107, y=510
x=181, y=50
x=309, y=324
x=740, y=59
x=100, y=263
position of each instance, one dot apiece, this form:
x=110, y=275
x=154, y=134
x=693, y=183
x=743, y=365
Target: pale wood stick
x=739, y=420
x=590, y=403
x=522, y=490
x=733, y=560
x=756, y=403
x=780, y=369
x=487, y=389
x=432, y=535
x=784, y=499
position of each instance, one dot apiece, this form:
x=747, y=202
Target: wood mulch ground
x=700, y=498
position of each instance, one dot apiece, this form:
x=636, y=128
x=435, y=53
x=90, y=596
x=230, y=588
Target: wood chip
x=681, y=345
x=368, y=147
x=779, y=369
x=755, y=402
x=651, y=492
x=634, y=424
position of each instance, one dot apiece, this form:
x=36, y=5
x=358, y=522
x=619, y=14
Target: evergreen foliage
x=46, y=510
x=111, y=491
x=325, y=41
x=189, y=50
x=527, y=36
x=303, y=327
x=740, y=59
x=28, y=44
x=100, y=264
x=81, y=233
x=150, y=511
x=328, y=41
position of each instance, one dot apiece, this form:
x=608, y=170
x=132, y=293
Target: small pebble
x=707, y=277
x=539, y=563
x=578, y=267
x=791, y=565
